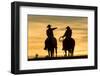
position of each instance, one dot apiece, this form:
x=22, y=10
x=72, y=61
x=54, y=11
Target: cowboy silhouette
x=67, y=35
x=50, y=42
x=68, y=32
x=68, y=42
x=49, y=33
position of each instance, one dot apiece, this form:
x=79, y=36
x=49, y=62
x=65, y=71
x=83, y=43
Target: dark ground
x=57, y=58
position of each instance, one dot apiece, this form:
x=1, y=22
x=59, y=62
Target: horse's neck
x=68, y=37
x=51, y=37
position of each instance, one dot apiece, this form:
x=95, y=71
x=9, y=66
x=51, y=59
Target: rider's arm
x=54, y=28
x=64, y=34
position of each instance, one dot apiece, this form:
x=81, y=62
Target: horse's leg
x=56, y=51
x=72, y=51
x=52, y=53
x=73, y=43
x=48, y=53
x=55, y=46
x=69, y=52
x=65, y=52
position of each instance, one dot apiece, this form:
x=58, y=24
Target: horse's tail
x=55, y=45
x=73, y=41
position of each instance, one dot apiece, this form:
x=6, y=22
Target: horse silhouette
x=50, y=42
x=51, y=46
x=68, y=45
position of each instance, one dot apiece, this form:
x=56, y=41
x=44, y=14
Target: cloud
x=62, y=19
x=85, y=29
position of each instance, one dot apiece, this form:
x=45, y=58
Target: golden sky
x=37, y=26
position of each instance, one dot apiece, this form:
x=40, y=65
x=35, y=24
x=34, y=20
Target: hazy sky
x=37, y=26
